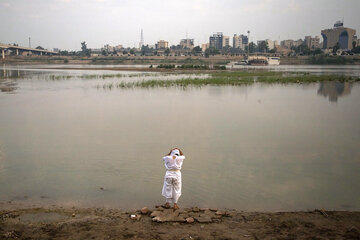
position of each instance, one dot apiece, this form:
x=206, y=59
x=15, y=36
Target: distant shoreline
x=155, y=60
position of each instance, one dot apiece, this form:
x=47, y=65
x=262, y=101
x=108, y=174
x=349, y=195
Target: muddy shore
x=188, y=223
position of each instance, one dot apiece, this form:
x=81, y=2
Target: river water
x=259, y=147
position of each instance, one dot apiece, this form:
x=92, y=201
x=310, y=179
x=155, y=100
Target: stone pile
x=189, y=215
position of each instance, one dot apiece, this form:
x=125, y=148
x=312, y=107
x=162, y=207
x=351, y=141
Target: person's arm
x=179, y=161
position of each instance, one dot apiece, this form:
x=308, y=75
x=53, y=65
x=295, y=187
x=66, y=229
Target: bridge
x=18, y=50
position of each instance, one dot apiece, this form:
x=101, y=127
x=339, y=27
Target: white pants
x=172, y=186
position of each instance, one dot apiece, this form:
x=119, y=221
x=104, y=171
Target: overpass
x=18, y=49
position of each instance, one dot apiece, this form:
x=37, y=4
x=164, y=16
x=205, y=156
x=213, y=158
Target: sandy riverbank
x=100, y=223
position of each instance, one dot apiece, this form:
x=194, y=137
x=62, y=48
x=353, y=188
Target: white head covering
x=175, y=152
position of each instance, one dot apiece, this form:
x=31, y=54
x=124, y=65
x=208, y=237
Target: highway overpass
x=6, y=48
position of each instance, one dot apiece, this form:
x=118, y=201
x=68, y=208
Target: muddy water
x=258, y=147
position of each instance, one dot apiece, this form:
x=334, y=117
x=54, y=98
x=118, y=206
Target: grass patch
x=233, y=79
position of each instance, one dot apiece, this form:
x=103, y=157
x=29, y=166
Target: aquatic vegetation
x=232, y=79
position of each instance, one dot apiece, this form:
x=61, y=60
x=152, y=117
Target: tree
x=104, y=53
x=84, y=50
x=263, y=46
x=197, y=50
x=211, y=51
x=252, y=47
x=356, y=50
x=273, y=50
x=145, y=49
x=64, y=53
x=167, y=51
x=317, y=51
x=132, y=52
x=336, y=47
x=354, y=44
x=302, y=49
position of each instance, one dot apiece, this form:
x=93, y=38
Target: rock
x=193, y=214
x=155, y=213
x=190, y=220
x=102, y=188
x=168, y=215
x=144, y=210
x=182, y=211
x=203, y=219
x=213, y=209
x=220, y=213
x=195, y=209
x=133, y=217
x=73, y=215
x=138, y=217
x=204, y=209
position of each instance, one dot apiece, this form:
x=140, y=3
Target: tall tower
x=29, y=42
x=141, y=39
x=248, y=32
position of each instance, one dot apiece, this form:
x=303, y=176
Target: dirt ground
x=100, y=223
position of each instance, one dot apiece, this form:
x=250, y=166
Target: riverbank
x=101, y=223
x=178, y=60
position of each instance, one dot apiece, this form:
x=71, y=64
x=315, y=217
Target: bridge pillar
x=3, y=53
x=17, y=52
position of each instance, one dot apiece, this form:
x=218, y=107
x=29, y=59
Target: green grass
x=233, y=79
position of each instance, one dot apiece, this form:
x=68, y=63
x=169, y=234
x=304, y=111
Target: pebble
x=190, y=220
x=144, y=210
x=220, y=213
x=73, y=215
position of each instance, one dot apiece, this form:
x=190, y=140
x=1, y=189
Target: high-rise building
x=141, y=43
x=226, y=41
x=240, y=41
x=270, y=43
x=216, y=40
x=298, y=42
x=312, y=42
x=162, y=44
x=187, y=43
x=339, y=34
x=205, y=46
x=287, y=43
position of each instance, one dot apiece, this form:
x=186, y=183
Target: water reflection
x=7, y=82
x=334, y=90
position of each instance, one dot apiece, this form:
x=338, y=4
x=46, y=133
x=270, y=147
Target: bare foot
x=166, y=205
x=176, y=206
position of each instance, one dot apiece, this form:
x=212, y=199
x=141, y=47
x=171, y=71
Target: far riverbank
x=216, y=60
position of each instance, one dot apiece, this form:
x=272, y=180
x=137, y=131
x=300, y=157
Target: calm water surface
x=258, y=147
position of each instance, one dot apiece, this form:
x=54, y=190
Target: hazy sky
x=65, y=23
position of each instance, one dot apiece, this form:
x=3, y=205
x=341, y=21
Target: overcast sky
x=65, y=23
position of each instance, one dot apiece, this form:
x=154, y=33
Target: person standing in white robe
x=172, y=180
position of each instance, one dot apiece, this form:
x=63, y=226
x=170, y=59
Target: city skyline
x=65, y=23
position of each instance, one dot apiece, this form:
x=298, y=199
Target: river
x=253, y=147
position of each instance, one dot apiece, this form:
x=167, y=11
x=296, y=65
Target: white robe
x=172, y=179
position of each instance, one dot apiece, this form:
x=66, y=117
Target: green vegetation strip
x=233, y=79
